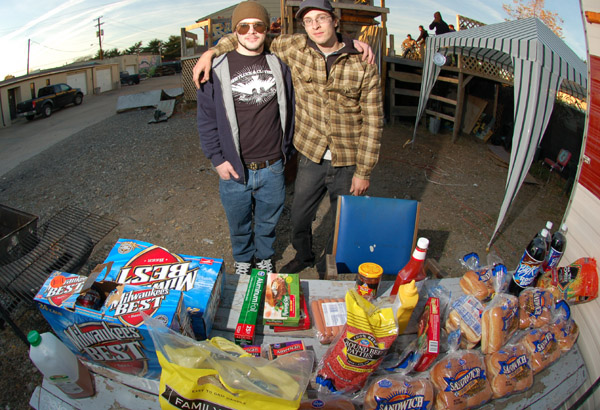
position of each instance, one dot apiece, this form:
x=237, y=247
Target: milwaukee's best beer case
x=181, y=291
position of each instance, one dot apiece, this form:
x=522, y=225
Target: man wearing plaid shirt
x=339, y=117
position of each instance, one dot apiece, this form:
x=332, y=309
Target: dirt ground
x=155, y=182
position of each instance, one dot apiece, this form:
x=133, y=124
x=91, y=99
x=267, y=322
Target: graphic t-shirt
x=256, y=107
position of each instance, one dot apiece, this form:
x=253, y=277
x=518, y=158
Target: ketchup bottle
x=414, y=268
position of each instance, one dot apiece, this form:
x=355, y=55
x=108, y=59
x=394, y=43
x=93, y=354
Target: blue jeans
x=263, y=193
x=312, y=183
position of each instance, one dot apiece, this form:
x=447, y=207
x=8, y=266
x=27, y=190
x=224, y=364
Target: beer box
x=111, y=331
x=138, y=263
x=428, y=334
x=246, y=326
x=282, y=300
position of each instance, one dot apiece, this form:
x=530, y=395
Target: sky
x=60, y=31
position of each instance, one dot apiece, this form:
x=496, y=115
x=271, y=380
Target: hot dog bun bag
x=499, y=321
x=536, y=307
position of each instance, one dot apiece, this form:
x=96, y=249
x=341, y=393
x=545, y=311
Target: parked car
x=129, y=79
x=168, y=68
x=49, y=99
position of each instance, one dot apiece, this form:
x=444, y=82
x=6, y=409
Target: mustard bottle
x=405, y=303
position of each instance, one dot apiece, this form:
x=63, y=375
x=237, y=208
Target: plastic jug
x=59, y=365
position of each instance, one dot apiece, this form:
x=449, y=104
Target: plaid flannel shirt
x=343, y=111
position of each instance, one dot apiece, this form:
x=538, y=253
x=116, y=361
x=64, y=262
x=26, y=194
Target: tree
x=154, y=46
x=172, y=48
x=134, y=49
x=535, y=8
x=9, y=76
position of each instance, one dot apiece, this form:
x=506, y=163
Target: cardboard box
x=303, y=323
x=112, y=334
x=246, y=326
x=282, y=300
x=138, y=263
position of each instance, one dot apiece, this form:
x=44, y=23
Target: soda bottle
x=59, y=365
x=549, y=226
x=413, y=270
x=530, y=264
x=557, y=248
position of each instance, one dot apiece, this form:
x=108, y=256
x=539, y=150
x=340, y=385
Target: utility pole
x=28, y=49
x=99, y=34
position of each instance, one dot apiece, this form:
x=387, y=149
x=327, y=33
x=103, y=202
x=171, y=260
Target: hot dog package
x=329, y=317
x=358, y=351
x=576, y=283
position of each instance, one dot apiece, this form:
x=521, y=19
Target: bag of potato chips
x=575, y=283
x=218, y=373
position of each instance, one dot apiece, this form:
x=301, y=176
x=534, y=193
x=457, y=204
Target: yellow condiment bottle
x=408, y=296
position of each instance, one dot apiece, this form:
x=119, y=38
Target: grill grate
x=64, y=243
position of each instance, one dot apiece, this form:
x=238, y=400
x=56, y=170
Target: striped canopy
x=540, y=62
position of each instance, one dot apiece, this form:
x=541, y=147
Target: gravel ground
x=155, y=182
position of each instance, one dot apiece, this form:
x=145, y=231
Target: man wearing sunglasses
x=339, y=118
x=246, y=122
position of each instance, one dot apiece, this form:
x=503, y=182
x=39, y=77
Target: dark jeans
x=312, y=182
x=266, y=190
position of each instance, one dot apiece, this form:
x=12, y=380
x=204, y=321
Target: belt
x=255, y=166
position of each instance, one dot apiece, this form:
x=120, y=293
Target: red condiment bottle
x=413, y=270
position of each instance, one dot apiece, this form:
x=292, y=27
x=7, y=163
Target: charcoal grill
x=63, y=243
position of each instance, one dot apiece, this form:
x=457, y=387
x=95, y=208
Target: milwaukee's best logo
x=129, y=307
x=158, y=268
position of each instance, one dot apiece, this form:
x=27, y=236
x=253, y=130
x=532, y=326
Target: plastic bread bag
x=509, y=369
x=465, y=314
x=359, y=349
x=460, y=380
x=542, y=347
x=536, y=307
x=220, y=373
x=575, y=283
x=485, y=281
x=566, y=330
x=329, y=317
x=328, y=402
x=499, y=321
x=398, y=391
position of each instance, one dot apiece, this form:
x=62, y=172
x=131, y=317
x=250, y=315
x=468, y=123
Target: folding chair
x=562, y=159
x=370, y=229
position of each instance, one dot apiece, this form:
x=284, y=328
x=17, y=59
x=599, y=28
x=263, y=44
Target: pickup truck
x=129, y=79
x=50, y=98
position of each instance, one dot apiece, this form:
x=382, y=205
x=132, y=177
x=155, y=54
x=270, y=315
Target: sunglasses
x=259, y=27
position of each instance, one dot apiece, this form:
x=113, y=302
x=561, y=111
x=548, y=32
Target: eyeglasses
x=259, y=27
x=322, y=19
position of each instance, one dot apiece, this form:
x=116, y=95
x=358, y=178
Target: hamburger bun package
x=483, y=281
x=566, y=330
x=536, y=306
x=509, y=370
x=575, y=283
x=327, y=403
x=542, y=347
x=499, y=322
x=460, y=381
x=398, y=391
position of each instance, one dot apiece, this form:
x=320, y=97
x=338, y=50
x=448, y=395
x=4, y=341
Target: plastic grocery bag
x=217, y=372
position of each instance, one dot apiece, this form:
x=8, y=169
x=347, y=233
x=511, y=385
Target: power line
x=61, y=51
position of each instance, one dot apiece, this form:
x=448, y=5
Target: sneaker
x=242, y=268
x=265, y=265
x=295, y=266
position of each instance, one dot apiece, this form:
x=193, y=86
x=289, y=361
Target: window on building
x=32, y=88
